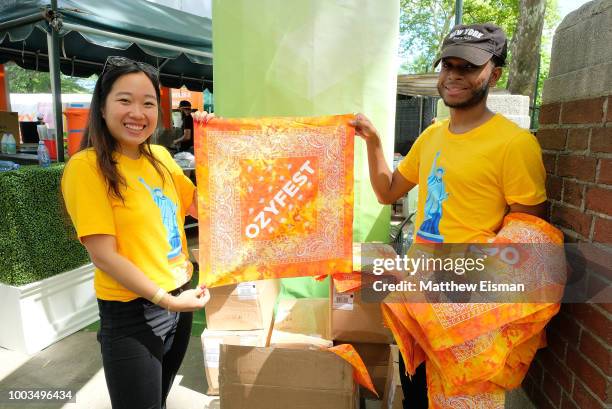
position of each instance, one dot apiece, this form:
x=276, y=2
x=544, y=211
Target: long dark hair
x=98, y=137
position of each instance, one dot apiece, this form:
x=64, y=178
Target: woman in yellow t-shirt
x=127, y=200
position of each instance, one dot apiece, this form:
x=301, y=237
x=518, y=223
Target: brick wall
x=576, y=368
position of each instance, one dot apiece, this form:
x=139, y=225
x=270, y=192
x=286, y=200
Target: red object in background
x=4, y=96
x=76, y=121
x=52, y=148
x=166, y=106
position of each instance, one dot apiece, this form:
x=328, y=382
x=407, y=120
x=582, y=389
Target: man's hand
x=388, y=186
x=365, y=129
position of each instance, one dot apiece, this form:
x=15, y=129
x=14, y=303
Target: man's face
x=186, y=110
x=463, y=85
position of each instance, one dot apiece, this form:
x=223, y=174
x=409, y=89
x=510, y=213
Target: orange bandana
x=475, y=352
x=275, y=198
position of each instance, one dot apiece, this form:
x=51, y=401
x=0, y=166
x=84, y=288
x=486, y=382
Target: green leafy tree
x=424, y=23
x=30, y=82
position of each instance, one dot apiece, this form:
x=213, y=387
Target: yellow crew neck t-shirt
x=148, y=225
x=466, y=181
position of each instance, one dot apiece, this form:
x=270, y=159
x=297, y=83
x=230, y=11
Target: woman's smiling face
x=130, y=111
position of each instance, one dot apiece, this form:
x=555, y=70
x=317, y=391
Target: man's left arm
x=538, y=210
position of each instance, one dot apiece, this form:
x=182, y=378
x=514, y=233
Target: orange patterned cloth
x=360, y=372
x=275, y=197
x=474, y=352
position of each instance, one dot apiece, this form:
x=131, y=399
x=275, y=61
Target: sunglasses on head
x=115, y=61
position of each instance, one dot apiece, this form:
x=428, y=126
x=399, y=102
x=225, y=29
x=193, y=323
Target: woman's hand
x=208, y=116
x=190, y=300
x=364, y=128
x=203, y=117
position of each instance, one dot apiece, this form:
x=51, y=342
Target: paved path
x=75, y=363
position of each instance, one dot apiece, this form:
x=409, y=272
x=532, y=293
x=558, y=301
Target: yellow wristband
x=158, y=296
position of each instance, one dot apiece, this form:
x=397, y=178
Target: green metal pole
x=458, y=11
x=54, y=73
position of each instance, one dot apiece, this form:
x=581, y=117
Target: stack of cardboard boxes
x=286, y=366
x=258, y=358
x=236, y=315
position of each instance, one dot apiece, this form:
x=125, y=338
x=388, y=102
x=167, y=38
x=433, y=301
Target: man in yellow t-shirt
x=471, y=169
x=468, y=180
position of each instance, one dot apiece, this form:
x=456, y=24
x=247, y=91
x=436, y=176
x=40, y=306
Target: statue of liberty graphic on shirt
x=168, y=214
x=436, y=194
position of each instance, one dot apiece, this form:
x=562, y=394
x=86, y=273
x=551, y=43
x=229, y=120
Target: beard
x=475, y=99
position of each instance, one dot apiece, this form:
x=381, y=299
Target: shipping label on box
x=245, y=306
x=211, y=348
x=247, y=291
x=342, y=301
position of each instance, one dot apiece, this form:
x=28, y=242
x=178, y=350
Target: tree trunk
x=525, y=48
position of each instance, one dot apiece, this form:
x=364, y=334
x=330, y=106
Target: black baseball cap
x=475, y=43
x=184, y=104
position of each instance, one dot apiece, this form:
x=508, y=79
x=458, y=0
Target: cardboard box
x=354, y=320
x=267, y=378
x=245, y=306
x=308, y=316
x=298, y=341
x=9, y=123
x=211, y=345
x=393, y=396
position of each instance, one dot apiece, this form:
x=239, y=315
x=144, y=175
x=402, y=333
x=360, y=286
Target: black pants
x=143, y=347
x=415, y=389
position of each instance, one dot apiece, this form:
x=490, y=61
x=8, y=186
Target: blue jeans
x=142, y=347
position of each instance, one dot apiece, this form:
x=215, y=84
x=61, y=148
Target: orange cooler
x=76, y=121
